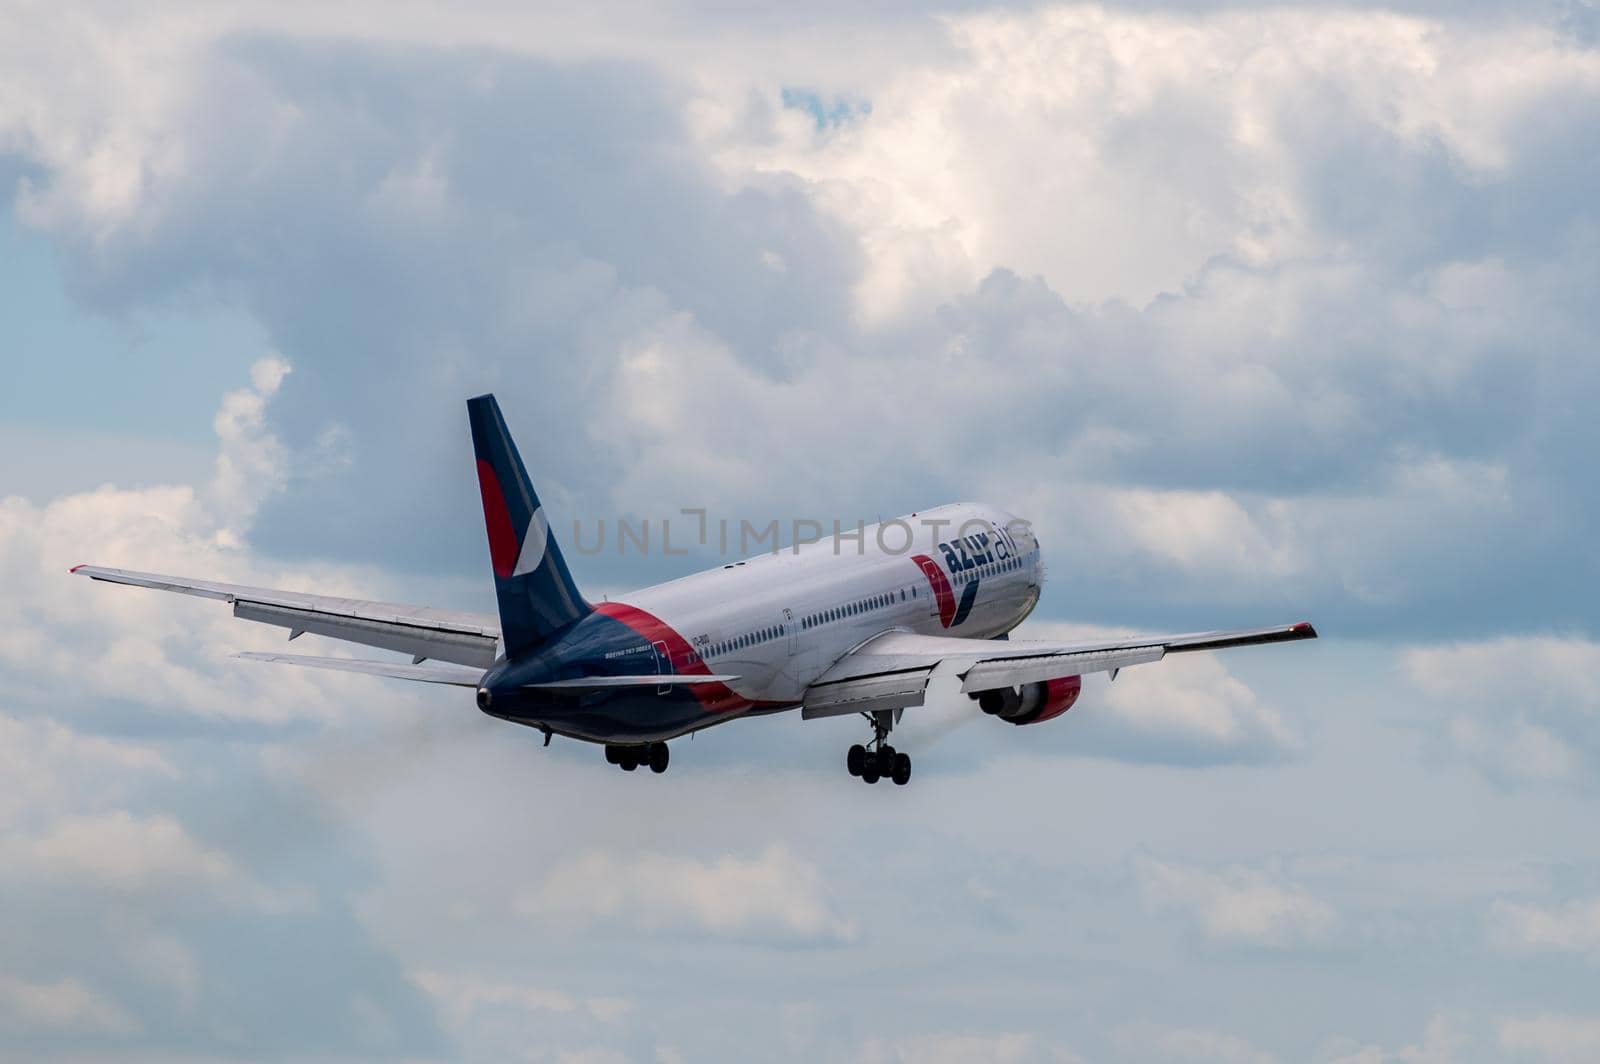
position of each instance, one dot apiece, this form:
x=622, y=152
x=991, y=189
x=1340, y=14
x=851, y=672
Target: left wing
x=891, y=671
x=422, y=632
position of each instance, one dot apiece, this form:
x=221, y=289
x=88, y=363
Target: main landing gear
x=629, y=758
x=878, y=760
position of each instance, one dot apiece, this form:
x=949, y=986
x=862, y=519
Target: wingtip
x=1304, y=630
x=75, y=568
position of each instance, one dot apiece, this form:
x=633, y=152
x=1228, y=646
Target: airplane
x=826, y=629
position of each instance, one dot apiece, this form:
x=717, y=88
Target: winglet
x=75, y=568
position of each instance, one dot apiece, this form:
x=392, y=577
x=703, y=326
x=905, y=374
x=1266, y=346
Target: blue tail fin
x=535, y=590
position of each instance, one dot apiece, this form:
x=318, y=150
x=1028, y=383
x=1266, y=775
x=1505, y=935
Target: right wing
x=424, y=633
x=891, y=671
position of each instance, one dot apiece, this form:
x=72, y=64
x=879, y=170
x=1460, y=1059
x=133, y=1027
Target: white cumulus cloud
x=773, y=894
x=61, y=1005
x=1523, y=709
x=1237, y=905
x=1552, y=1037
x=1573, y=927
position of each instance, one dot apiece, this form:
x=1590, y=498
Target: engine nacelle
x=1033, y=702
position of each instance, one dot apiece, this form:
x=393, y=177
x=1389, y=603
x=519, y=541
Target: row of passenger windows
x=851, y=609
x=991, y=569
x=860, y=606
x=749, y=639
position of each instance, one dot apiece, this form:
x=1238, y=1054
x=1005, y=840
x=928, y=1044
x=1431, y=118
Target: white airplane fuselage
x=778, y=621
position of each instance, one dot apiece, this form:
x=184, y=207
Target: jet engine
x=1033, y=702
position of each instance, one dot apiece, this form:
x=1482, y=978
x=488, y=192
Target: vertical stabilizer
x=531, y=581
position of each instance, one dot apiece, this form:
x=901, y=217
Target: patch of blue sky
x=155, y=373
x=825, y=113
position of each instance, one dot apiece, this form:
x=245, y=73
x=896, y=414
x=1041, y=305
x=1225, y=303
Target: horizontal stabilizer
x=601, y=683
x=455, y=675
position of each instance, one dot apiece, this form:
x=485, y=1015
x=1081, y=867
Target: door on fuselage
x=663, y=665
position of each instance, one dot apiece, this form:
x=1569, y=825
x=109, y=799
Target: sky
x=1259, y=313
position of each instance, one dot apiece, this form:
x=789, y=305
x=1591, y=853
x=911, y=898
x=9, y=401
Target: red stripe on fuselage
x=940, y=583
x=503, y=545
x=714, y=697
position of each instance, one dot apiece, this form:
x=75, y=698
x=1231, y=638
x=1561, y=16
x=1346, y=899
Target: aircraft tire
x=902, y=769
x=869, y=771
x=611, y=755
x=856, y=759
x=659, y=756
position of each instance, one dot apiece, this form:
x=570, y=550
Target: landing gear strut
x=629, y=758
x=878, y=760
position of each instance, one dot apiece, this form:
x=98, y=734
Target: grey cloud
x=414, y=226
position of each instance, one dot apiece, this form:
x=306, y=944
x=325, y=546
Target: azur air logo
x=962, y=554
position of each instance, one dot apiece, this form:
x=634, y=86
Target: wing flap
x=869, y=694
x=1014, y=672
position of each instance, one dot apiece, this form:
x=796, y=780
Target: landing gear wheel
x=611, y=755
x=878, y=760
x=658, y=757
x=628, y=759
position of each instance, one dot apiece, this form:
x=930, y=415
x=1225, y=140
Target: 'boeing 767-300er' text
x=824, y=630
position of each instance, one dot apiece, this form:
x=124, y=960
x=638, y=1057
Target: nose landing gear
x=878, y=760
x=629, y=758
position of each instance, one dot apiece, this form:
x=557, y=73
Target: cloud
x=1443, y=1042
x=1237, y=905
x=1570, y=928
x=63, y=1005
x=954, y=1048
x=1144, y=1042
x=1562, y=1039
x=251, y=463
x=1521, y=709
x=135, y=867
x=770, y=895
x=1186, y=709
x=120, y=852
x=61, y=633
x=462, y=997
x=126, y=854
x=1237, y=359
x=1260, y=314
x=49, y=767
